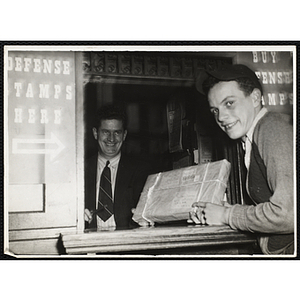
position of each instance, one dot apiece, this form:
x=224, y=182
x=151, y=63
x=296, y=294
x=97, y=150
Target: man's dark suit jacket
x=130, y=180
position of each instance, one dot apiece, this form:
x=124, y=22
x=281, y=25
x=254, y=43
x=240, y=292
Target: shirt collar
x=112, y=162
x=261, y=113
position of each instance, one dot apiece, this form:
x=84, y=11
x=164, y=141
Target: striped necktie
x=105, y=203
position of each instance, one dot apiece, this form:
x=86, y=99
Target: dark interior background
x=146, y=107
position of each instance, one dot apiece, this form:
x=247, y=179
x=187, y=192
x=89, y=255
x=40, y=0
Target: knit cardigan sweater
x=270, y=185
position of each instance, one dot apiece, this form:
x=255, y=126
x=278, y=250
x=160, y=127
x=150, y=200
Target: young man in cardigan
x=234, y=94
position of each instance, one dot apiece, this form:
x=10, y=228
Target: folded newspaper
x=168, y=196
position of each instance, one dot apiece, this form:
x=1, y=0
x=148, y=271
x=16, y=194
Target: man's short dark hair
x=111, y=112
x=245, y=84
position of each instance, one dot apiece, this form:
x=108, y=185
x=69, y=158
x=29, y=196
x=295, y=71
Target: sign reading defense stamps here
x=41, y=139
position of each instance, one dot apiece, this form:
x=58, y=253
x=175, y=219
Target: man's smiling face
x=233, y=111
x=110, y=137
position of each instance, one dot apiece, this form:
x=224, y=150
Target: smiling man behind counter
x=235, y=98
x=126, y=175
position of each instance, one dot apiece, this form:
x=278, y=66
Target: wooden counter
x=163, y=240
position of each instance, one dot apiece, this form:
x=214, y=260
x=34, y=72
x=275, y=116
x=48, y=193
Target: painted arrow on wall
x=17, y=146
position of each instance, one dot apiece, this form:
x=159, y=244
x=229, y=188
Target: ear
x=95, y=133
x=256, y=97
x=125, y=134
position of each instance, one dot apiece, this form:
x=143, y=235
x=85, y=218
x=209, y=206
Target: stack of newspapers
x=168, y=196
